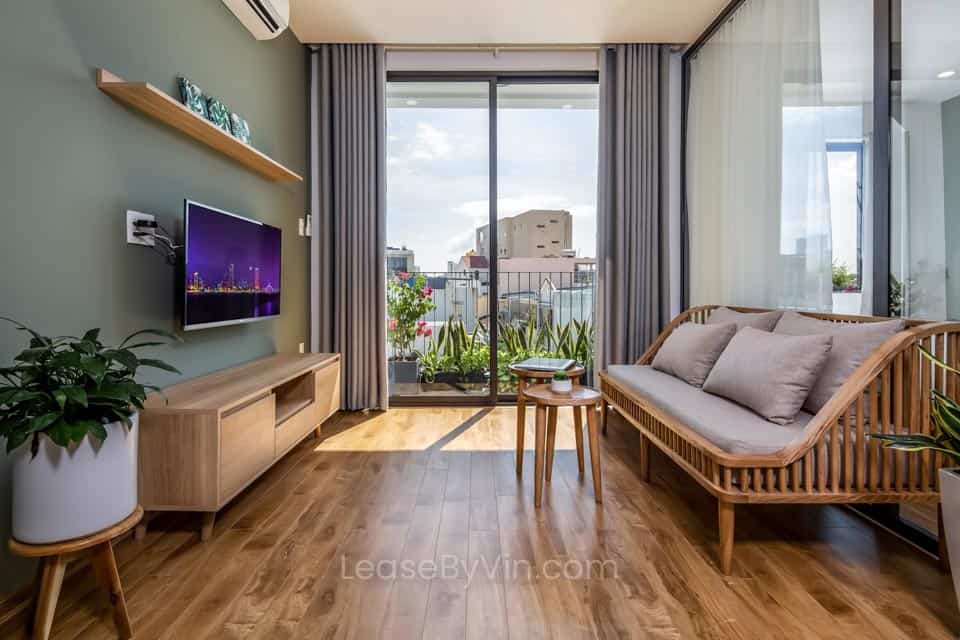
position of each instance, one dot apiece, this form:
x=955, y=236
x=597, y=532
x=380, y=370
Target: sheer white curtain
x=758, y=197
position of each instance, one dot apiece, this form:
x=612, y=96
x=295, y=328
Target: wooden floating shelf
x=155, y=103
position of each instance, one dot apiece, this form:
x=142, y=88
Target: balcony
x=439, y=329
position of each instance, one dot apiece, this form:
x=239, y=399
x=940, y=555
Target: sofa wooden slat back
x=832, y=460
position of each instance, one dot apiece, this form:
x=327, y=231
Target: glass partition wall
x=925, y=160
x=491, y=230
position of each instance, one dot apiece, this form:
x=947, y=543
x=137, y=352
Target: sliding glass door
x=438, y=182
x=476, y=281
x=546, y=222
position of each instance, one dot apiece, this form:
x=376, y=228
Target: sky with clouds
x=437, y=175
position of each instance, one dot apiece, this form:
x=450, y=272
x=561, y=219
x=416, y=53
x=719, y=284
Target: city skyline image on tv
x=232, y=269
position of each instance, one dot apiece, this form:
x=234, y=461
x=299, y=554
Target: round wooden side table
x=526, y=377
x=547, y=404
x=57, y=555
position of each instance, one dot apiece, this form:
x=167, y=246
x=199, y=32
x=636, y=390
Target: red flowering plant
x=408, y=299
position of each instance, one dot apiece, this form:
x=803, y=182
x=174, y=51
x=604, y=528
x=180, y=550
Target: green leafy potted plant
x=68, y=413
x=561, y=383
x=944, y=438
x=408, y=299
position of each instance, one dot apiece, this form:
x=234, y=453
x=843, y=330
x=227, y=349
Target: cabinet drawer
x=328, y=391
x=293, y=429
x=246, y=444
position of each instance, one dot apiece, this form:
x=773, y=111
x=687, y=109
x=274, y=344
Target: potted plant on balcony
x=68, y=413
x=944, y=438
x=408, y=299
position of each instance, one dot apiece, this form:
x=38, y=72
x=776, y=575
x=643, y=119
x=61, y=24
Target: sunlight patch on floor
x=448, y=428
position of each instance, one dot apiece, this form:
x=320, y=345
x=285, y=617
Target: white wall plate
x=133, y=216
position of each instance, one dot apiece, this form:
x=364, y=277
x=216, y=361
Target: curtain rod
x=493, y=47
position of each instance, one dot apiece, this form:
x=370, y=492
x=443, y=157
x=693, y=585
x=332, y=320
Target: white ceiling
x=501, y=21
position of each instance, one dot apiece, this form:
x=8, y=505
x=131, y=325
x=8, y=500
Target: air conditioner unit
x=265, y=19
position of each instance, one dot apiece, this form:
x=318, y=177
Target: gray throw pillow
x=765, y=320
x=691, y=350
x=768, y=372
x=852, y=344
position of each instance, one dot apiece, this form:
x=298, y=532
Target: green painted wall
x=951, y=201
x=73, y=161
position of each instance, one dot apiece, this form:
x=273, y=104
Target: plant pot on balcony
x=403, y=371
x=950, y=504
x=447, y=378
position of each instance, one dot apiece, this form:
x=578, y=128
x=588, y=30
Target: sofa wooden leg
x=644, y=458
x=726, y=535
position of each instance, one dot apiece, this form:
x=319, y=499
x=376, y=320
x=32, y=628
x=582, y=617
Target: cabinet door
x=328, y=391
x=247, y=445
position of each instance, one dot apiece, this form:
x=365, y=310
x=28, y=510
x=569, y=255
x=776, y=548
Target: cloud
x=430, y=143
x=506, y=207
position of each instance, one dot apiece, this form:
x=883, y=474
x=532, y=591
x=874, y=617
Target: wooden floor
x=435, y=484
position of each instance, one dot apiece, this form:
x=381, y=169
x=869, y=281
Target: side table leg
x=521, y=421
x=105, y=565
x=594, y=452
x=551, y=441
x=578, y=435
x=538, y=455
x=50, y=583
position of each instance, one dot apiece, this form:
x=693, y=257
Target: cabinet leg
x=105, y=565
x=318, y=432
x=51, y=580
x=206, y=528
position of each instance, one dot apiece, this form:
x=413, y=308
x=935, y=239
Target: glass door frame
x=493, y=80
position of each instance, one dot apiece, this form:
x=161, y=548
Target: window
x=845, y=170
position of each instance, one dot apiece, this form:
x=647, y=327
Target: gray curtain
x=630, y=224
x=348, y=194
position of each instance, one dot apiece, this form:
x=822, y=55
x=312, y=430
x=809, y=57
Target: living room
x=443, y=319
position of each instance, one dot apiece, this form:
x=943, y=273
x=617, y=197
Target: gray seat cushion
x=852, y=345
x=727, y=425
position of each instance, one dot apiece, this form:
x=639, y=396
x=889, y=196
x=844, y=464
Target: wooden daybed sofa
x=828, y=459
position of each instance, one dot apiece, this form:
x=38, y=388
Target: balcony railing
x=538, y=313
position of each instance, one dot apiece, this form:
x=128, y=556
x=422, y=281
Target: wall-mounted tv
x=232, y=268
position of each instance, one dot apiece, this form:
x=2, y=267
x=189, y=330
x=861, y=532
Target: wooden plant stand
x=53, y=566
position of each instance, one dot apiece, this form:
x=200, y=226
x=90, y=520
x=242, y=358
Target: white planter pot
x=950, y=503
x=561, y=386
x=69, y=493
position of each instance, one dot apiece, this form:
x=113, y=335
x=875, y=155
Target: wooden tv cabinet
x=216, y=434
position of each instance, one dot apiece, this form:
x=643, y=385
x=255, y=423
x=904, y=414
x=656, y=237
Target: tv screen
x=232, y=268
